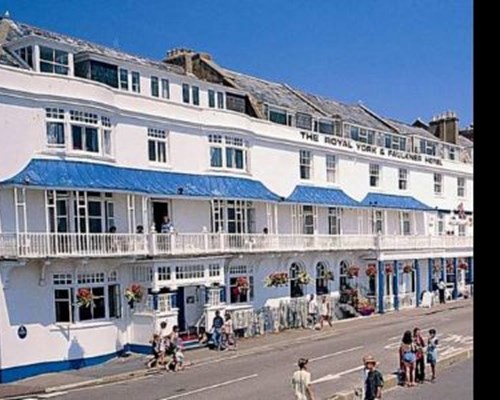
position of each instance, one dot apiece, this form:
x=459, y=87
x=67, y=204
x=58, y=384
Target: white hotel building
x=256, y=177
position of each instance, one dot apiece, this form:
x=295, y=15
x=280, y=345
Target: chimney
x=182, y=57
x=445, y=127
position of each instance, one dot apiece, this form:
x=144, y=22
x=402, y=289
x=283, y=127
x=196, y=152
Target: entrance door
x=191, y=306
x=160, y=209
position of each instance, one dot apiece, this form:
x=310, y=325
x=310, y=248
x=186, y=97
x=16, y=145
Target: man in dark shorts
x=374, y=381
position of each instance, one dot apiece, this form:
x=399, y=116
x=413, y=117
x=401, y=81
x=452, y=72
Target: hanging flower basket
x=276, y=279
x=407, y=269
x=304, y=278
x=242, y=283
x=329, y=275
x=449, y=268
x=352, y=271
x=463, y=266
x=133, y=294
x=389, y=269
x=84, y=297
x=371, y=271
x=365, y=307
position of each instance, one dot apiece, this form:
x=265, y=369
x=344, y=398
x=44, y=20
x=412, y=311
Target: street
x=454, y=383
x=335, y=361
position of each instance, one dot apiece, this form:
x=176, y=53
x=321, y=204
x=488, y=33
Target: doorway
x=160, y=209
x=191, y=306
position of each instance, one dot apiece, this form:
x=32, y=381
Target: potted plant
x=329, y=275
x=449, y=268
x=463, y=266
x=276, y=279
x=84, y=297
x=371, y=271
x=436, y=268
x=242, y=284
x=133, y=294
x=352, y=271
x=407, y=269
x=365, y=307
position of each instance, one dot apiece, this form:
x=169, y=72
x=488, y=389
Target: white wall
x=191, y=215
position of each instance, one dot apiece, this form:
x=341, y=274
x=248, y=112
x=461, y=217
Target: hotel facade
x=193, y=188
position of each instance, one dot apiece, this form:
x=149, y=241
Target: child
x=374, y=381
x=156, y=349
x=432, y=352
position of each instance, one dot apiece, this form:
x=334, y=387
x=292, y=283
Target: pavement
x=261, y=367
x=452, y=383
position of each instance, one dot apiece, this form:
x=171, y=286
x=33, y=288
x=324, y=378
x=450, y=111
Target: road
x=454, y=383
x=335, y=361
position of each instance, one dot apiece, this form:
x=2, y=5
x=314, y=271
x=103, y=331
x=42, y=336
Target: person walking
x=419, y=342
x=301, y=381
x=312, y=310
x=432, y=344
x=442, y=292
x=217, y=324
x=228, y=333
x=374, y=381
x=325, y=312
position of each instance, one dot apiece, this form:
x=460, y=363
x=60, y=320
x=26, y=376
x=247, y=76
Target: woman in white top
x=325, y=312
x=228, y=333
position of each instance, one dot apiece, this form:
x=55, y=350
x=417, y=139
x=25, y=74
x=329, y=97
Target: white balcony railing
x=41, y=245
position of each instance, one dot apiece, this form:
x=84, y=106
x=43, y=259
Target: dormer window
x=53, y=61
x=26, y=54
x=303, y=121
x=277, y=116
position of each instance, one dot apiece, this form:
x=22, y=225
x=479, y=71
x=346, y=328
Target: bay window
x=232, y=216
x=157, y=145
x=228, y=152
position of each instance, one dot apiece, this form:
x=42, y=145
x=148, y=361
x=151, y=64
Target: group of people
x=322, y=310
x=167, y=349
x=373, y=380
x=221, y=336
x=414, y=351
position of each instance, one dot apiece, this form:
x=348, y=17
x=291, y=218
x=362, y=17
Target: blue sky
x=402, y=58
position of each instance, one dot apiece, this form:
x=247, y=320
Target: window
x=374, y=175
x=296, y=289
x=378, y=222
x=236, y=102
x=329, y=127
x=53, y=61
x=185, y=93
x=462, y=228
x=228, y=151
x=26, y=54
x=85, y=138
x=354, y=132
x=427, y=147
x=331, y=168
x=303, y=121
x=157, y=145
x=372, y=289
x=155, y=87
x=452, y=153
x=220, y=100
x=305, y=164
x=165, y=89
x=405, y=223
x=211, y=98
x=231, y=216
x=395, y=142
x=403, y=179
x=123, y=79
x=343, y=279
x=136, y=82
x=308, y=217
x=438, y=184
x=461, y=187
x=277, y=116
x=241, y=284
x=55, y=126
x=106, y=136
x=366, y=136
x=105, y=298
x=321, y=279
x=196, y=95
x=334, y=215
x=440, y=223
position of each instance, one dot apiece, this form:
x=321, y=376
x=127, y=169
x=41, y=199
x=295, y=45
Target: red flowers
x=407, y=269
x=371, y=271
x=134, y=293
x=463, y=266
x=276, y=279
x=84, y=297
x=389, y=269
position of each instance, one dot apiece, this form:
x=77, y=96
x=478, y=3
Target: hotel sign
x=368, y=148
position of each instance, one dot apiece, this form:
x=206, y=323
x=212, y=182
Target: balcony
x=67, y=245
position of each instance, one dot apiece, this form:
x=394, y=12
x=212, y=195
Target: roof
x=380, y=200
x=321, y=196
x=408, y=129
x=59, y=174
x=19, y=30
x=463, y=141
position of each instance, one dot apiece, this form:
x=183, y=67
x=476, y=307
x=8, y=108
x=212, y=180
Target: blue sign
x=22, y=332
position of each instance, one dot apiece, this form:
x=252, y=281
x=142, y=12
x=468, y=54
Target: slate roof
x=19, y=30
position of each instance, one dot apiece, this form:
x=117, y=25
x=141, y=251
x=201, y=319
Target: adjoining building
x=134, y=191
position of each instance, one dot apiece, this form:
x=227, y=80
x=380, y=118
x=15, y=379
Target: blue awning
x=69, y=175
x=380, y=200
x=321, y=196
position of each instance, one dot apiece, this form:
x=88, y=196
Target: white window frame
x=159, y=138
x=331, y=168
x=165, y=88
x=375, y=173
x=229, y=148
x=211, y=98
x=221, y=100
x=378, y=221
x=155, y=86
x=135, y=84
x=55, y=116
x=123, y=78
x=305, y=164
x=334, y=221
x=461, y=187
x=438, y=184
x=405, y=222
x=245, y=271
x=403, y=179
x=54, y=63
